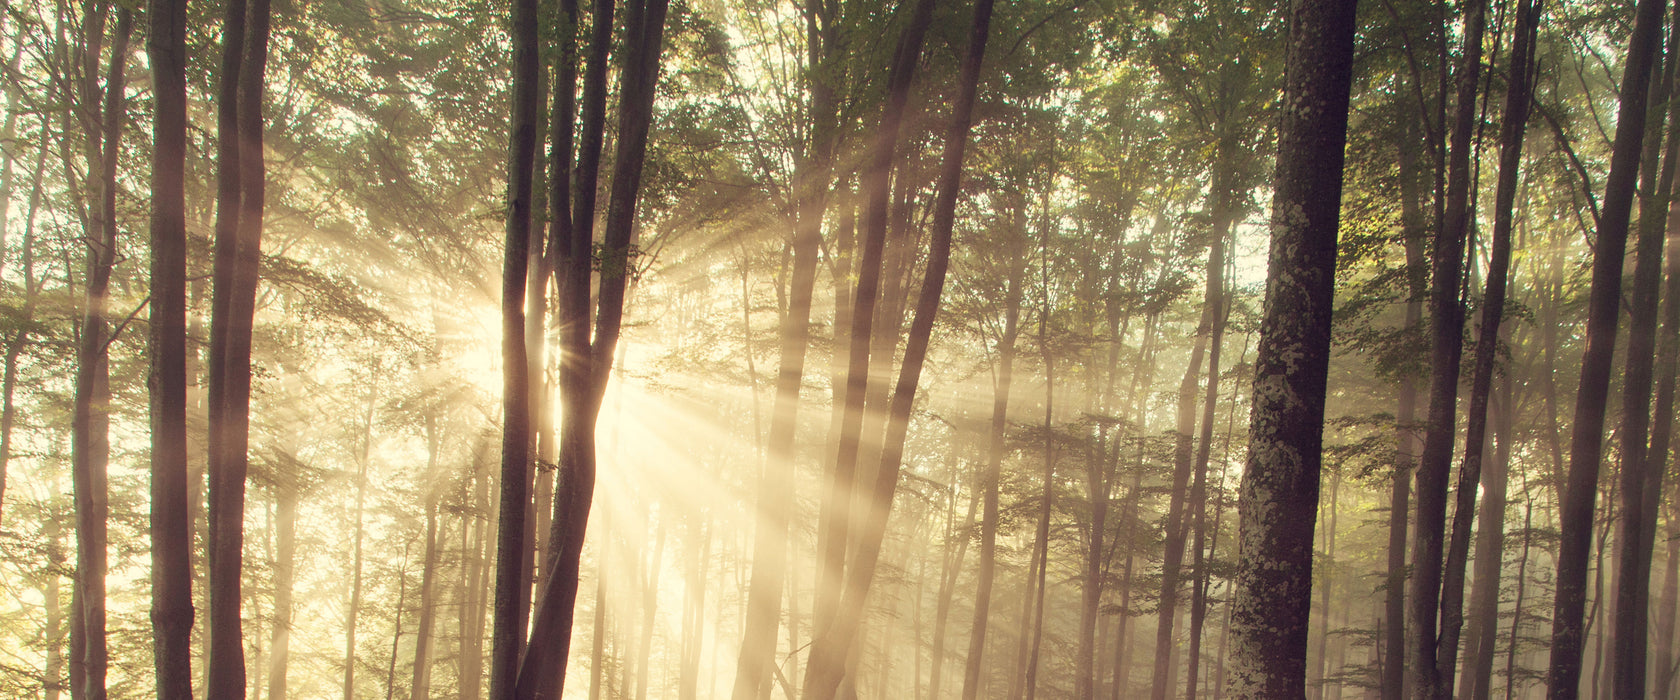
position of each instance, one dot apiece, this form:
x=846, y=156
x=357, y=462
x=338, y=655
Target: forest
x=839, y=349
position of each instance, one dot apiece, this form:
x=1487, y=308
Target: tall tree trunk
x=1329, y=568
x=823, y=674
x=52, y=680
x=1662, y=430
x=1642, y=485
x=1490, y=557
x=949, y=573
x=776, y=486
x=1487, y=341
x=238, y=239
x=355, y=605
x=1587, y=440
x=172, y=613
x=91, y=448
x=1215, y=319
x=1446, y=316
x=421, y=685
x=694, y=607
x=513, y=574
x=1001, y=381
x=1041, y=538
x=583, y=381
x=1279, y=497
x=1522, y=589
x=1162, y=683
x=1394, y=675
x=285, y=564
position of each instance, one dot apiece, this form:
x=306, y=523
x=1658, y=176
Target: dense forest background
x=753, y=349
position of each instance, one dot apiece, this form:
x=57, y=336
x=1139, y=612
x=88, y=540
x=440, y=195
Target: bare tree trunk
x=1215, y=320
x=239, y=221
x=1279, y=497
x=420, y=686
x=90, y=444
x=824, y=673
x=285, y=556
x=988, y=486
x=1428, y=602
x=1329, y=571
x=355, y=605
x=1587, y=441
x=513, y=574
x=950, y=572
x=1662, y=429
x=776, y=486
x=172, y=613
x=1642, y=485
x=1490, y=557
x=1394, y=677
x=52, y=680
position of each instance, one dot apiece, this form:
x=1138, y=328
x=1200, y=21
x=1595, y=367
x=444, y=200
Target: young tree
x=1279, y=498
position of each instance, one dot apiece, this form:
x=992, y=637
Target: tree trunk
x=823, y=674
x=1446, y=316
x=1329, y=568
x=421, y=685
x=1642, y=485
x=513, y=574
x=1517, y=100
x=355, y=605
x=91, y=448
x=1041, y=539
x=1490, y=557
x=1662, y=430
x=1279, y=497
x=994, y=461
x=1394, y=675
x=26, y=316
x=1215, y=324
x=949, y=574
x=238, y=240
x=285, y=558
x=776, y=486
x=1587, y=440
x=172, y=613
x=583, y=381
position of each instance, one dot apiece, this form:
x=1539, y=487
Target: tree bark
x=583, y=382
x=1425, y=594
x=90, y=444
x=1215, y=324
x=1517, y=100
x=1587, y=439
x=1490, y=557
x=239, y=214
x=1279, y=496
x=172, y=608
x=1642, y=485
x=513, y=574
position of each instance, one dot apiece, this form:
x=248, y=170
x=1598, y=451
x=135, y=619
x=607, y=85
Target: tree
x=1587, y=439
x=172, y=612
x=1279, y=497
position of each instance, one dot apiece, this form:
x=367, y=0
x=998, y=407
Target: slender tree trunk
x=694, y=606
x=1279, y=496
x=776, y=485
x=1587, y=441
x=396, y=625
x=355, y=605
x=1329, y=569
x=91, y=449
x=950, y=573
x=52, y=680
x=823, y=674
x=513, y=574
x=172, y=613
x=1394, y=677
x=421, y=685
x=1215, y=320
x=1493, y=307
x=584, y=380
x=1642, y=485
x=285, y=558
x=1041, y=539
x=1662, y=430
x=1163, y=682
x=239, y=220
x=1446, y=316
x=1002, y=379
x=1522, y=589
x=1490, y=557
x=599, y=628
